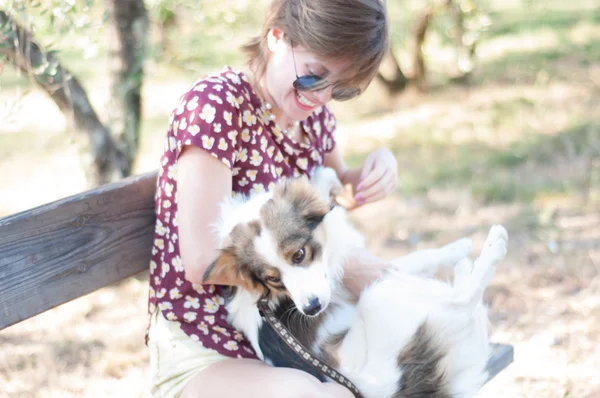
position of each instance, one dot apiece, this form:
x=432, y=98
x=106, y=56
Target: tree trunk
x=166, y=20
x=465, y=51
x=18, y=45
x=391, y=76
x=420, y=32
x=129, y=28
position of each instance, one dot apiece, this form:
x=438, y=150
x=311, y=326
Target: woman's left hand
x=378, y=177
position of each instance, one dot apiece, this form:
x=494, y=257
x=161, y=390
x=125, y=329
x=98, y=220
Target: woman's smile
x=303, y=102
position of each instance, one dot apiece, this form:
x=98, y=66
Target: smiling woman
x=338, y=49
x=237, y=133
x=355, y=31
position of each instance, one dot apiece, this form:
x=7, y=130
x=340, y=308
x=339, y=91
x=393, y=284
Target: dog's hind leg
x=428, y=261
x=462, y=272
x=471, y=288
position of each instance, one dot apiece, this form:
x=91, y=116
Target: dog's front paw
x=495, y=246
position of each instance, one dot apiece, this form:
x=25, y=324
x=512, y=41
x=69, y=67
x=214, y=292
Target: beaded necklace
x=265, y=112
x=266, y=115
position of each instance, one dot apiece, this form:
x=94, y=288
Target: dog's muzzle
x=313, y=307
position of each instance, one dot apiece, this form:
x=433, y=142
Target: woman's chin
x=298, y=112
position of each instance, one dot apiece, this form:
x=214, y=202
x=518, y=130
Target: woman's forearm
x=362, y=269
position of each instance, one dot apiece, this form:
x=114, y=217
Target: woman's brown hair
x=354, y=30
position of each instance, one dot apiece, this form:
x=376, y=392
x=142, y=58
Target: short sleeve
x=328, y=126
x=208, y=117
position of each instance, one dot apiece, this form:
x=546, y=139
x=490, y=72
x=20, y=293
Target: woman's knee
x=254, y=379
x=297, y=384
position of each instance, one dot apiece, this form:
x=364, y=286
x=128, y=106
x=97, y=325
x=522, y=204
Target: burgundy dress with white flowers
x=225, y=116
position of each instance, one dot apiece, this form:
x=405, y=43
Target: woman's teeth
x=304, y=101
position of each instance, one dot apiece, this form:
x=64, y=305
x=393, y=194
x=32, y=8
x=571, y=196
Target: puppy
x=407, y=335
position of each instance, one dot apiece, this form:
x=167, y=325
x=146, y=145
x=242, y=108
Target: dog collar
x=321, y=367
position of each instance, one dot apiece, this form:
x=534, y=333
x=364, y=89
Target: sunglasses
x=316, y=83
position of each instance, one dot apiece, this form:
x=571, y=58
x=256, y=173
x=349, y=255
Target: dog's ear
x=314, y=218
x=326, y=181
x=313, y=210
x=229, y=264
x=231, y=260
x=225, y=264
x=305, y=198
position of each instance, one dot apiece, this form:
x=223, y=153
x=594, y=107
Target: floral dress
x=225, y=116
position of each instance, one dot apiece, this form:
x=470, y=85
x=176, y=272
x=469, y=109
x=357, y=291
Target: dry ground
x=517, y=150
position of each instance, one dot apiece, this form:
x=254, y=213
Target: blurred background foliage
x=521, y=44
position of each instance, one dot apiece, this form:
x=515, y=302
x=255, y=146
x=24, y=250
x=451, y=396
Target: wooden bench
x=63, y=250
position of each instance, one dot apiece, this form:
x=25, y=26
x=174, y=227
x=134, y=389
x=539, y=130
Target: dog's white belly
x=468, y=352
x=386, y=319
x=388, y=315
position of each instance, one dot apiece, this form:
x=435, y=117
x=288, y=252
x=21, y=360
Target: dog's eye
x=298, y=257
x=273, y=279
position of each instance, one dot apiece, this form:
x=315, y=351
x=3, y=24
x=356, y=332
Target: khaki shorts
x=174, y=357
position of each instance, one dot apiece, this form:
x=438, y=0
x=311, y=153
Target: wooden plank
x=502, y=356
x=63, y=250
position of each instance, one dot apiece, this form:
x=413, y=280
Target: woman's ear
x=275, y=38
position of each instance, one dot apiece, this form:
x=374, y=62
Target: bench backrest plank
x=66, y=249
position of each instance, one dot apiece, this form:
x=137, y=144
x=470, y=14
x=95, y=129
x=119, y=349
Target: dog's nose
x=313, y=307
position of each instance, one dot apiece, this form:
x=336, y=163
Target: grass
x=12, y=144
x=537, y=165
x=538, y=38
x=543, y=18
x=523, y=66
x=522, y=41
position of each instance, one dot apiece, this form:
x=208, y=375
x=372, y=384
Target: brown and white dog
x=407, y=335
